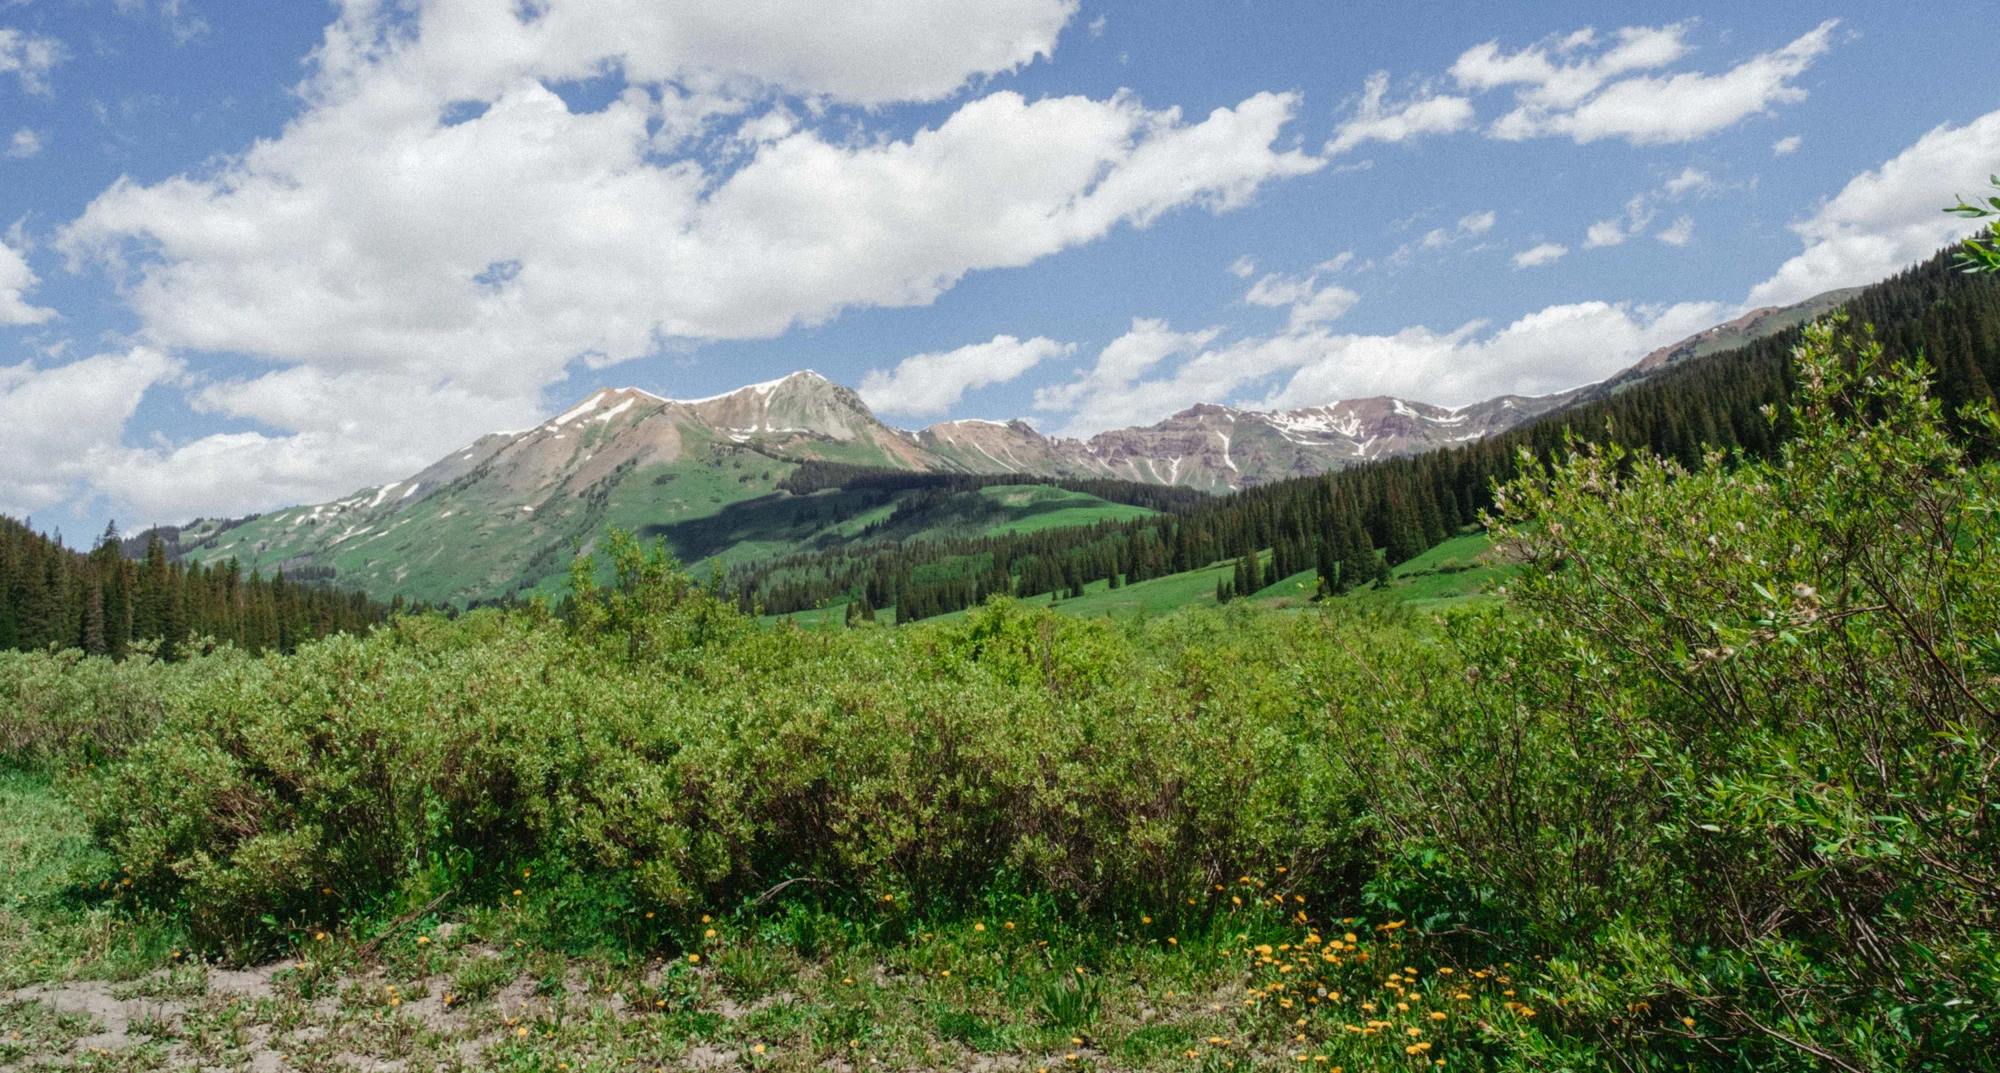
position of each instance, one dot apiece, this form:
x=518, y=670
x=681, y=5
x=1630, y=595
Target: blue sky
x=258, y=254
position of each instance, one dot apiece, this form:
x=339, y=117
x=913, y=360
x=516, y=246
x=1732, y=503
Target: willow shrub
x=62, y=709
x=667, y=758
x=1729, y=755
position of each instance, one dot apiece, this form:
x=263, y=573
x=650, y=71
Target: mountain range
x=505, y=514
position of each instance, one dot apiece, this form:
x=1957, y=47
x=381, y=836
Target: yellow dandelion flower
x=694, y=959
x=979, y=927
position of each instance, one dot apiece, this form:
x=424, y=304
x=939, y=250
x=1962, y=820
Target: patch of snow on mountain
x=580, y=409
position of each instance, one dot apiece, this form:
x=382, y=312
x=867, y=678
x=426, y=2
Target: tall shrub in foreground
x=1730, y=755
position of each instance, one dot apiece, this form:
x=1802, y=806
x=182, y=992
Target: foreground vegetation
x=1712, y=787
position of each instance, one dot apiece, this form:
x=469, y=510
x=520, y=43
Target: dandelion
x=1145, y=920
x=1437, y=1017
x=423, y=940
x=517, y=894
x=709, y=934
x=694, y=959
x=1009, y=925
x=758, y=1049
x=979, y=927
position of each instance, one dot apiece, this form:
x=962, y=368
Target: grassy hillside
x=718, y=503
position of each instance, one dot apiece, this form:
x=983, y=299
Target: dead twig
x=368, y=948
x=773, y=892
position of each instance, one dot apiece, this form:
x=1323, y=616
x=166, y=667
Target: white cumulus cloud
x=1374, y=120
x=932, y=383
x=1310, y=303
x=1787, y=146
x=16, y=280
x=1886, y=219
x=1680, y=233
x=29, y=58
x=1571, y=88
x=65, y=422
x=1542, y=254
x=1108, y=394
x=24, y=144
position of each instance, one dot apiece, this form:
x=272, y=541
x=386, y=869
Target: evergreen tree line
x=105, y=603
x=1350, y=526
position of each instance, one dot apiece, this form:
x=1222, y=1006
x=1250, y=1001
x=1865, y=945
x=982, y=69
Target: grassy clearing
x=1033, y=508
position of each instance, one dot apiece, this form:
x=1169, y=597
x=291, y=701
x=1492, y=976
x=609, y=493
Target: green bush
x=1728, y=757
x=658, y=755
x=63, y=708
